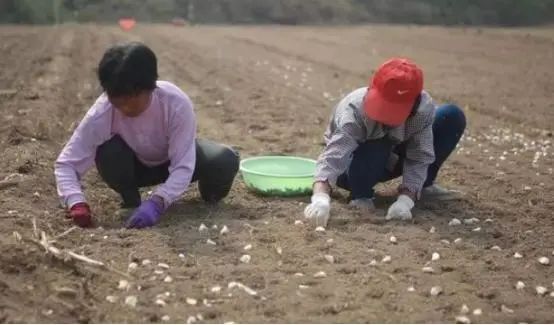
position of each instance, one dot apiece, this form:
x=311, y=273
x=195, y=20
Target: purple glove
x=146, y=215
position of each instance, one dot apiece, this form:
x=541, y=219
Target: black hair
x=128, y=69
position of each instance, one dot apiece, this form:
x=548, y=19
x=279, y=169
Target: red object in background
x=127, y=23
x=178, y=21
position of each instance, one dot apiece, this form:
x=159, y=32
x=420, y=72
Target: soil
x=270, y=90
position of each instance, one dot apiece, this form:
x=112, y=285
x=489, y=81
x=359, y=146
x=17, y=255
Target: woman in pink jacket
x=141, y=132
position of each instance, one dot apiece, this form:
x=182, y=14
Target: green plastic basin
x=278, y=175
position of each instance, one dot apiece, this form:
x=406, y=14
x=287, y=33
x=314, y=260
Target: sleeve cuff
x=165, y=198
x=73, y=199
x=410, y=188
x=331, y=180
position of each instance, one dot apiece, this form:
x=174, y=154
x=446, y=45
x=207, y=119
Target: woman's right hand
x=81, y=215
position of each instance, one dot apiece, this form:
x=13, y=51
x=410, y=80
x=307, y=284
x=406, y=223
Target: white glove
x=318, y=211
x=401, y=209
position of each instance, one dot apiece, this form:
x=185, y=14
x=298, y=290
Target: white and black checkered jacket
x=349, y=126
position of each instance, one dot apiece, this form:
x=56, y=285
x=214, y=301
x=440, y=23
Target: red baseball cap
x=393, y=91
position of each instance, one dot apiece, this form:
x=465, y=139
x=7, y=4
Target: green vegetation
x=444, y=12
x=287, y=192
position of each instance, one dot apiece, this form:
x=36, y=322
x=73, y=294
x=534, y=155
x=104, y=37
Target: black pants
x=117, y=164
x=369, y=161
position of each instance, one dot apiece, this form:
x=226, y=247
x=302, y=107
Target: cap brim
x=379, y=109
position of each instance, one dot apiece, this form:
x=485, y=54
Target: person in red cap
x=391, y=128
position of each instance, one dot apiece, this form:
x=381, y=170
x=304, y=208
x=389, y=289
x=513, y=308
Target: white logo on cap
x=402, y=92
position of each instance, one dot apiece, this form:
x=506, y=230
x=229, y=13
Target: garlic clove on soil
x=478, y=312
x=132, y=267
x=245, y=258
x=210, y=242
x=432, y=230
x=298, y=222
x=435, y=256
x=463, y=320
x=457, y=240
x=517, y=255
x=247, y=247
x=455, y=222
x=146, y=262
x=224, y=230
x=320, y=229
x=166, y=318
x=411, y=289
x=520, y=285
x=544, y=260
x=507, y=310
x=496, y=248
x=541, y=291
x=123, y=285
x=464, y=310
x=160, y=302
x=330, y=259
x=320, y=274
x=216, y=289
x=111, y=299
x=131, y=301
x=435, y=291
x=191, y=301
x=168, y=279
x=428, y=269
x=202, y=228
x=445, y=241
x=471, y=221
x=393, y=239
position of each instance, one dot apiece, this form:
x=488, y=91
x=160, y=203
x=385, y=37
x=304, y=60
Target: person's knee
x=111, y=149
x=453, y=115
x=114, y=162
x=228, y=161
x=218, y=174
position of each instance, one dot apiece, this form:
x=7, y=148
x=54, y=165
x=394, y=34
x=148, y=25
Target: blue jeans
x=368, y=166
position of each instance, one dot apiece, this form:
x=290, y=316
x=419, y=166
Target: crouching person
x=141, y=132
x=391, y=128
